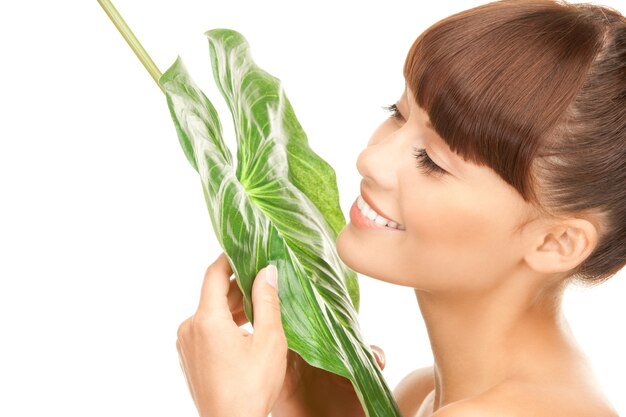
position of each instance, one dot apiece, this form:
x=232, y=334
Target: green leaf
x=279, y=205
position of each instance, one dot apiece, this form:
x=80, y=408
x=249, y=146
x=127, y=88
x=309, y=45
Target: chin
x=355, y=255
x=346, y=249
x=358, y=257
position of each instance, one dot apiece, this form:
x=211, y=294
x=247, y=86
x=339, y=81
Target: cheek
x=457, y=234
x=442, y=214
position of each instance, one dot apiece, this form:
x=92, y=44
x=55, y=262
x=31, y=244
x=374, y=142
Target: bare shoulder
x=413, y=389
x=522, y=399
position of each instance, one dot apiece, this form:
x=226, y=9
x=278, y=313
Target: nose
x=382, y=159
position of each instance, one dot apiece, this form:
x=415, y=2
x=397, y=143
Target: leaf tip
x=170, y=73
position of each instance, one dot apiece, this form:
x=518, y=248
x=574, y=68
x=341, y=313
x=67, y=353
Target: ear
x=562, y=246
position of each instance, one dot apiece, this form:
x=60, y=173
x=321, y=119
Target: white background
x=104, y=235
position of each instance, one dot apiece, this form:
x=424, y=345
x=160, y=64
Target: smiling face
x=460, y=228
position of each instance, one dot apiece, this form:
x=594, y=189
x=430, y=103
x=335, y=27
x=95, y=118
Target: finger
x=379, y=354
x=267, y=323
x=214, y=293
x=235, y=303
x=235, y=296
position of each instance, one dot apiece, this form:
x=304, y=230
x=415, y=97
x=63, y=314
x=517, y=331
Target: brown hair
x=536, y=90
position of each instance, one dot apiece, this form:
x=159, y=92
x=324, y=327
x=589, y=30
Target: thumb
x=266, y=305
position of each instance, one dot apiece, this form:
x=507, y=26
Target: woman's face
x=460, y=228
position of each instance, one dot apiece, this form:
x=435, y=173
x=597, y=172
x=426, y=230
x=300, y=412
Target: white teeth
x=368, y=212
x=381, y=221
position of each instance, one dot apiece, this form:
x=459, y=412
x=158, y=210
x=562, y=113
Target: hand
x=229, y=371
x=312, y=392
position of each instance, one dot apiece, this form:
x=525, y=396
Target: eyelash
x=393, y=109
x=426, y=164
x=421, y=156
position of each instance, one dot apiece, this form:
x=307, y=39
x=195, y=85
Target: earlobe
x=562, y=247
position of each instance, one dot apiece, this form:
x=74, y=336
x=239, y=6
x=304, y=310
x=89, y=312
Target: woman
x=515, y=115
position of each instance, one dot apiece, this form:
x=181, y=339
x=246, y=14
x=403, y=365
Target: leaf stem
x=132, y=41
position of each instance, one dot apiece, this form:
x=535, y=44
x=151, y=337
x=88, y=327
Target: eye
x=423, y=160
x=395, y=113
x=426, y=164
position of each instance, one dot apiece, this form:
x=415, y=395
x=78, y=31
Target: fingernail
x=271, y=275
x=379, y=357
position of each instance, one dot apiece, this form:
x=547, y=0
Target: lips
x=369, y=202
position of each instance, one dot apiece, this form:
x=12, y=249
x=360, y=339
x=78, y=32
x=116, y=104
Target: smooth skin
x=231, y=372
x=226, y=366
x=488, y=271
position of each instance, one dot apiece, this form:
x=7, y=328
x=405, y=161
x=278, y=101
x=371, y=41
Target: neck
x=481, y=339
